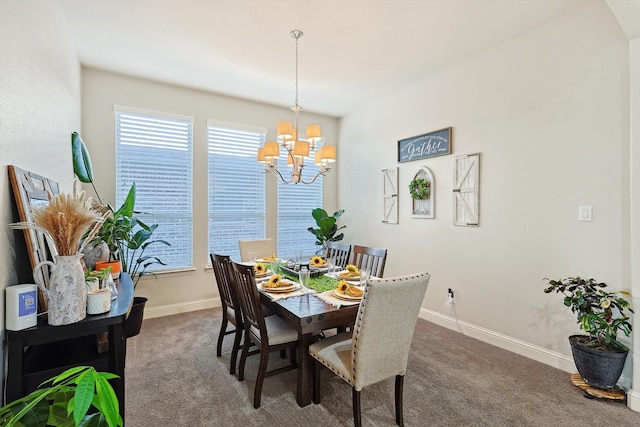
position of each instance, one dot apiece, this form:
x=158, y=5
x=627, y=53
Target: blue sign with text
x=430, y=144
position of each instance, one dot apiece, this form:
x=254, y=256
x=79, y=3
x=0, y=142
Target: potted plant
x=66, y=402
x=327, y=227
x=599, y=355
x=126, y=235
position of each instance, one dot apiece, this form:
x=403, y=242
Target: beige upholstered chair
x=379, y=346
x=263, y=248
x=372, y=259
x=340, y=252
x=267, y=333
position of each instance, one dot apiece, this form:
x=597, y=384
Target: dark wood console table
x=43, y=351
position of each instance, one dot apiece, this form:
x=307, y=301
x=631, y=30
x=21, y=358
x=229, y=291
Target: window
x=156, y=152
x=236, y=187
x=295, y=203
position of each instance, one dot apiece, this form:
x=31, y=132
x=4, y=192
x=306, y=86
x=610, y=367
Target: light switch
x=584, y=213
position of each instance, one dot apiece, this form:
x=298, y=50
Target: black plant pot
x=601, y=369
x=134, y=321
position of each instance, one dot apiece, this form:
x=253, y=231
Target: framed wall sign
x=432, y=144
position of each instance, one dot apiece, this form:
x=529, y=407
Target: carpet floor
x=174, y=379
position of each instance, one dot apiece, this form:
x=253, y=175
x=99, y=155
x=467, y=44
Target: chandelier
x=296, y=150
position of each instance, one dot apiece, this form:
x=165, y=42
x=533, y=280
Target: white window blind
x=236, y=187
x=155, y=152
x=295, y=203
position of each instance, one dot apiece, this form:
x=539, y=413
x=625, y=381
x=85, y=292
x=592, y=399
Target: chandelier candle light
x=296, y=149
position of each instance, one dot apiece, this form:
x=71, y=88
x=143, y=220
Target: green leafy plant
x=595, y=309
x=128, y=238
x=327, y=226
x=126, y=235
x=420, y=189
x=67, y=401
x=82, y=162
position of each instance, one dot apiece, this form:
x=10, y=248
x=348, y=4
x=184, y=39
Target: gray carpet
x=173, y=378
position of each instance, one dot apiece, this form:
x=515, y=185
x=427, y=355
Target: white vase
x=98, y=301
x=67, y=292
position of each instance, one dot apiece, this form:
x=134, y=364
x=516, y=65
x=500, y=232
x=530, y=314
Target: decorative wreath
x=420, y=189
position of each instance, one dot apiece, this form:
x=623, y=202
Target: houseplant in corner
x=599, y=355
x=327, y=228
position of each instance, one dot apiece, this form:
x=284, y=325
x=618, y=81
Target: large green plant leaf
x=81, y=159
x=129, y=203
x=82, y=162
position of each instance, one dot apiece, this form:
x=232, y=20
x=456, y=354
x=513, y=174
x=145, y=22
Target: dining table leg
x=305, y=370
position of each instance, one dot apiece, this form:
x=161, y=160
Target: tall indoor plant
x=599, y=355
x=327, y=227
x=126, y=235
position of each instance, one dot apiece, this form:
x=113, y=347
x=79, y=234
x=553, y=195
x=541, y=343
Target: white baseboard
x=168, y=310
x=522, y=348
x=633, y=400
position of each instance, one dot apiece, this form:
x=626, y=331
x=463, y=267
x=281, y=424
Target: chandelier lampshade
x=294, y=148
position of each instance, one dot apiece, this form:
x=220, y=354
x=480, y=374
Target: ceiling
x=352, y=50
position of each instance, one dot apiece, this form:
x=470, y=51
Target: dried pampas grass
x=67, y=218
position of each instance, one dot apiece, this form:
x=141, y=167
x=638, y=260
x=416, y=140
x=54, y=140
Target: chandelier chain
x=297, y=37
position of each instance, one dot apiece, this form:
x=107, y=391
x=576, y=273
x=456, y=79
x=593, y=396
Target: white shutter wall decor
x=390, y=196
x=425, y=208
x=236, y=189
x=466, y=187
x=155, y=150
x=295, y=203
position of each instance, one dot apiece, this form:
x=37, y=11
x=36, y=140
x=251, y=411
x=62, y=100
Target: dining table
x=309, y=314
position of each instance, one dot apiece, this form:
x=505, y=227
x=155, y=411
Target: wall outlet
x=450, y=296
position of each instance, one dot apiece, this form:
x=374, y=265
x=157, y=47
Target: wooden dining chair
x=378, y=348
x=372, y=259
x=340, y=252
x=262, y=247
x=267, y=333
x=231, y=312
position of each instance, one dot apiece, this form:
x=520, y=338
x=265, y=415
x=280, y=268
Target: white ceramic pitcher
x=67, y=292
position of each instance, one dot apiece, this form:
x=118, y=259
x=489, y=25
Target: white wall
x=634, y=55
x=549, y=113
x=40, y=107
x=101, y=90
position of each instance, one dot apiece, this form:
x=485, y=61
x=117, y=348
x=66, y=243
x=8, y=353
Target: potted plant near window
x=327, y=228
x=126, y=235
x=599, y=355
x=128, y=238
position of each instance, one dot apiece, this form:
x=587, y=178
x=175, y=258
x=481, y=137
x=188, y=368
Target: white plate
x=267, y=261
x=265, y=274
x=344, y=296
x=347, y=278
x=281, y=289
